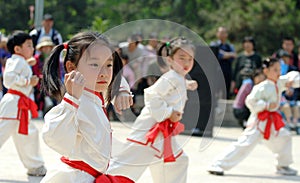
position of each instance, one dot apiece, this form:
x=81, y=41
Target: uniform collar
x=95, y=93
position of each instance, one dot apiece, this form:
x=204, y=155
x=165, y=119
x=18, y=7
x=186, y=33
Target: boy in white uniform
x=264, y=123
x=16, y=108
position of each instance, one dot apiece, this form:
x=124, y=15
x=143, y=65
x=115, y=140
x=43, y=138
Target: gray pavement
x=258, y=167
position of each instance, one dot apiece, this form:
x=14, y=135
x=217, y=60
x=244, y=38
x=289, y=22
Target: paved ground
x=258, y=167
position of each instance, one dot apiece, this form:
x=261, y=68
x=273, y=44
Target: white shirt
x=82, y=133
x=268, y=92
x=16, y=76
x=166, y=95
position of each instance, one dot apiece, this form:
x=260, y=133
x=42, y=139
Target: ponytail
x=160, y=59
x=51, y=82
x=113, y=88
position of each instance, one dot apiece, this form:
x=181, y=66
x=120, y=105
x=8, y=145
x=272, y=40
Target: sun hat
x=45, y=41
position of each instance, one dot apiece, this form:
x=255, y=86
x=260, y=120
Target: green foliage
x=267, y=20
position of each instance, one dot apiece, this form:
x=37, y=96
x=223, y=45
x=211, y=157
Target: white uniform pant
x=280, y=145
x=27, y=145
x=135, y=158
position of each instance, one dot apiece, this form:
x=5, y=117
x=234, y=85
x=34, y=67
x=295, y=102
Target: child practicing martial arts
x=152, y=142
x=264, y=123
x=78, y=127
x=16, y=108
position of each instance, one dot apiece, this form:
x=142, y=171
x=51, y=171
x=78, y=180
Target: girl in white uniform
x=16, y=108
x=264, y=123
x=78, y=128
x=152, y=139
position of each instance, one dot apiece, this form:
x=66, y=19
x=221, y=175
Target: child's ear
x=70, y=66
x=17, y=49
x=169, y=59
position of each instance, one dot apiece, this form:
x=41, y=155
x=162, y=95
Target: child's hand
x=74, y=82
x=273, y=105
x=34, y=80
x=191, y=85
x=31, y=61
x=175, y=116
x=123, y=101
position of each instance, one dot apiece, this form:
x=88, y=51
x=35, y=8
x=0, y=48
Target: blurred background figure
x=240, y=110
x=44, y=102
x=46, y=30
x=4, y=55
x=226, y=55
x=288, y=104
x=246, y=63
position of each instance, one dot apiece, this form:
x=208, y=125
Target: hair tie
x=167, y=44
x=66, y=46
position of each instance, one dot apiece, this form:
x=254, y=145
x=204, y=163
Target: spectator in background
x=4, y=55
x=46, y=30
x=226, y=55
x=288, y=104
x=44, y=103
x=240, y=110
x=288, y=44
x=246, y=63
x=138, y=60
x=152, y=43
x=127, y=71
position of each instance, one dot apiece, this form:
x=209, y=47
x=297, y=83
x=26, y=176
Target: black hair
x=288, y=38
x=17, y=39
x=255, y=73
x=134, y=38
x=75, y=48
x=249, y=39
x=171, y=48
x=268, y=62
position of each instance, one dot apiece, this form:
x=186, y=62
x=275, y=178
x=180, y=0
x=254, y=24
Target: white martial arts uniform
x=17, y=76
x=82, y=134
x=168, y=94
x=279, y=141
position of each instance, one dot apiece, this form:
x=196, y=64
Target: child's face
x=273, y=72
x=184, y=59
x=46, y=49
x=248, y=46
x=96, y=65
x=26, y=49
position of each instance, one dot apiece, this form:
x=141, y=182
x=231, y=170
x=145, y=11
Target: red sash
x=24, y=104
x=99, y=177
x=271, y=117
x=168, y=129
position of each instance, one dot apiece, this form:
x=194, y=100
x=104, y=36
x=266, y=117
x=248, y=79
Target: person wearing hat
x=46, y=30
x=44, y=47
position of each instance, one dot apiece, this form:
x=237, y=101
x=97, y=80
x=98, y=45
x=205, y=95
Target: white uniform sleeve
x=124, y=86
x=13, y=74
x=155, y=99
x=61, y=126
x=290, y=76
x=254, y=100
